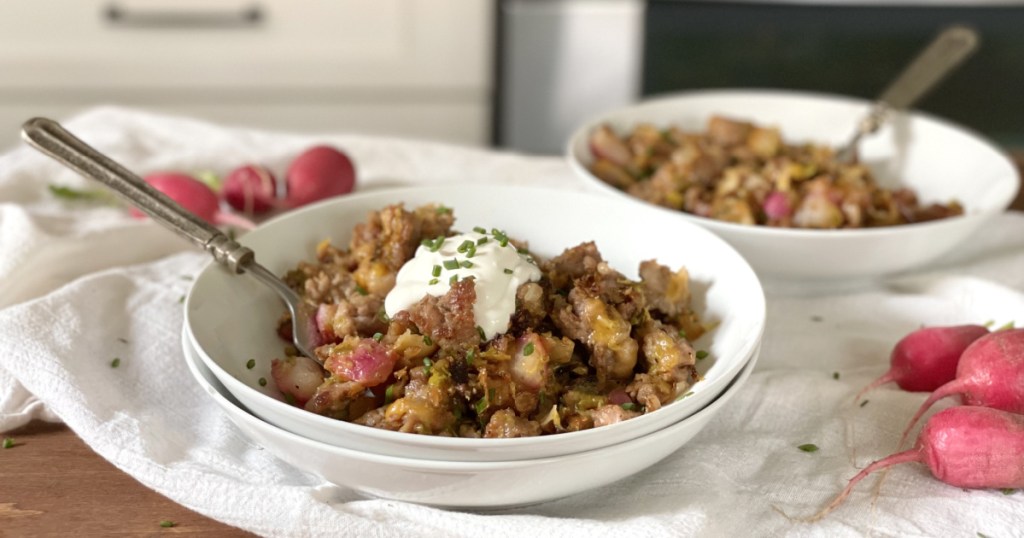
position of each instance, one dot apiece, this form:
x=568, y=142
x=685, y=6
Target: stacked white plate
x=231, y=320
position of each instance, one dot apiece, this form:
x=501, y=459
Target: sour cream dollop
x=498, y=272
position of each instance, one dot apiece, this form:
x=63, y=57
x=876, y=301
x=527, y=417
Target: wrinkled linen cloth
x=81, y=284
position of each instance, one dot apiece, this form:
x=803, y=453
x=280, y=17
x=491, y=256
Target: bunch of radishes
x=976, y=445
x=251, y=190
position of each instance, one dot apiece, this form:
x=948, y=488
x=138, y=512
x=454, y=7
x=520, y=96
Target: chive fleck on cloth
x=82, y=284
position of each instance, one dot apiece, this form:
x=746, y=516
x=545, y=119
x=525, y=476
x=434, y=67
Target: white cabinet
x=405, y=67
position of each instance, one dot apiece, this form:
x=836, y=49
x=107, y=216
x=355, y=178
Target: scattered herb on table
x=263, y=381
x=250, y=364
x=167, y=523
x=809, y=447
x=8, y=442
x=122, y=340
x=701, y=355
x=835, y=375
x=181, y=299
x=817, y=319
x=865, y=402
x=116, y=362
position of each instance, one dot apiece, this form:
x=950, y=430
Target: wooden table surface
x=52, y=484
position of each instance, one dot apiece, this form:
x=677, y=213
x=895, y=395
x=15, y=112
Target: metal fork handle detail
x=50, y=138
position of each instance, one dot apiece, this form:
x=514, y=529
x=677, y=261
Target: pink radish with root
x=927, y=358
x=965, y=446
x=990, y=374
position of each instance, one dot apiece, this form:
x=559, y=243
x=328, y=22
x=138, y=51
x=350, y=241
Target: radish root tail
x=896, y=459
x=953, y=387
x=886, y=378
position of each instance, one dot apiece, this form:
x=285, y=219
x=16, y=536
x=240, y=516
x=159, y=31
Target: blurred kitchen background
x=517, y=74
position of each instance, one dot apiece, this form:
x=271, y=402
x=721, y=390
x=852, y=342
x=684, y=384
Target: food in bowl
x=430, y=331
x=740, y=172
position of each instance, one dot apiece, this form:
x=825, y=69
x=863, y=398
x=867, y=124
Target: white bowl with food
x=757, y=168
x=462, y=485
x=587, y=356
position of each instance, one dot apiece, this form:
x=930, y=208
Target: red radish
x=250, y=189
x=298, y=377
x=926, y=359
x=367, y=362
x=990, y=374
x=195, y=196
x=776, y=206
x=967, y=447
x=318, y=173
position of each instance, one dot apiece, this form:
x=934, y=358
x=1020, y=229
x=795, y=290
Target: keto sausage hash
x=585, y=347
x=739, y=172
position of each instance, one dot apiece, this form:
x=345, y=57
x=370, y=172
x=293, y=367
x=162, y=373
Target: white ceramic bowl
x=232, y=319
x=939, y=160
x=464, y=485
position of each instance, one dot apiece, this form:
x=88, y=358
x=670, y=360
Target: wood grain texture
x=51, y=484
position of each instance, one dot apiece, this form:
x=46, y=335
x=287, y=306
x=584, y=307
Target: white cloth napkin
x=81, y=285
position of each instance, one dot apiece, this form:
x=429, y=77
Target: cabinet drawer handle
x=246, y=17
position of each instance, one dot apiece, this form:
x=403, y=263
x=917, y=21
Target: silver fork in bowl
x=53, y=140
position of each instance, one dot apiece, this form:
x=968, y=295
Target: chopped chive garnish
x=466, y=264
x=433, y=281
x=809, y=447
x=389, y=394
x=629, y=406
x=865, y=402
x=263, y=381
x=701, y=355
x=481, y=241
x=508, y=271
x=528, y=349
x=436, y=271
x=470, y=355
x=437, y=244
x=451, y=264
x=1008, y=491
x=425, y=243
x=1005, y=327
x=378, y=336
x=466, y=245
x=361, y=290
x=8, y=442
x=835, y=375
x=503, y=242
x=682, y=333
x=383, y=315
x=480, y=331
x=115, y=363
x=522, y=250
x=988, y=324
x=428, y=365
x=479, y=229
x=167, y=523
x=251, y=364
x=453, y=279
x=427, y=340
x=480, y=406
x=441, y=210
